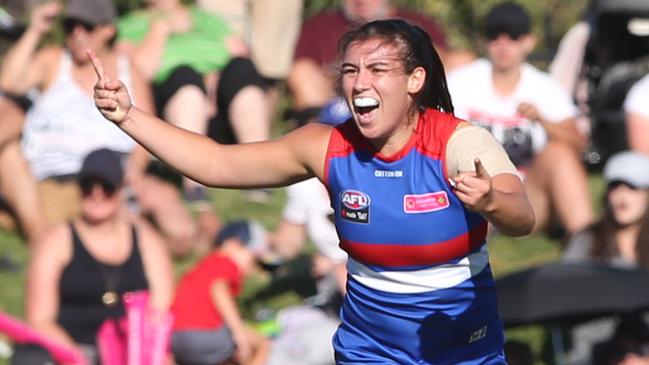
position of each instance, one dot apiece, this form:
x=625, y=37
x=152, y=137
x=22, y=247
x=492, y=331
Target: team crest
x=355, y=206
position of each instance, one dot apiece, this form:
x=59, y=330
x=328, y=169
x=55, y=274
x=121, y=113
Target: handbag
x=141, y=337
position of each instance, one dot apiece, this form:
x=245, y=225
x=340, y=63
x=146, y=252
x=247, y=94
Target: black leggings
x=180, y=77
x=237, y=74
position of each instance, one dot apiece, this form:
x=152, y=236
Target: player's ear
x=416, y=80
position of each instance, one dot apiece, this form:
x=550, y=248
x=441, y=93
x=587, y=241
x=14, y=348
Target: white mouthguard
x=365, y=102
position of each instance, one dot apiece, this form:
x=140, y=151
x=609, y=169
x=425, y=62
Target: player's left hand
x=111, y=97
x=473, y=188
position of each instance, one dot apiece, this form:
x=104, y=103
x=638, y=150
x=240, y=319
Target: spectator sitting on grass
x=208, y=328
x=63, y=126
x=80, y=269
x=621, y=235
x=531, y=115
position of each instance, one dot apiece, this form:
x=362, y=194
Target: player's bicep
x=293, y=157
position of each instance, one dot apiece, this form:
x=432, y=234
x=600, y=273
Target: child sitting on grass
x=208, y=328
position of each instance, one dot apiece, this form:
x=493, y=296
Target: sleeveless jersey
x=420, y=290
x=64, y=125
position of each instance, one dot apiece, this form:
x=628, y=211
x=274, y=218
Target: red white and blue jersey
x=420, y=290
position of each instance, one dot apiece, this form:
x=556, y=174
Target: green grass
x=507, y=255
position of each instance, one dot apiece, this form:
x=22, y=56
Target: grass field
x=507, y=255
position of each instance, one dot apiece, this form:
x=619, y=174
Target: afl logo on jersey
x=355, y=206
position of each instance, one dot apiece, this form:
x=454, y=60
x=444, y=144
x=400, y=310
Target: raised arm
x=294, y=157
x=24, y=68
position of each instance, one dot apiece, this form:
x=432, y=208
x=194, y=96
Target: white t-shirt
x=308, y=203
x=637, y=100
x=476, y=100
x=64, y=125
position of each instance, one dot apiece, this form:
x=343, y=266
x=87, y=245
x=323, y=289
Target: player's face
x=377, y=88
x=507, y=53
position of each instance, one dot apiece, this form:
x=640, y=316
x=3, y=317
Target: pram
x=616, y=56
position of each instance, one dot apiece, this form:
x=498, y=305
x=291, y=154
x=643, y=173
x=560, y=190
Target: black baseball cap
x=508, y=18
x=103, y=165
x=251, y=234
x=93, y=12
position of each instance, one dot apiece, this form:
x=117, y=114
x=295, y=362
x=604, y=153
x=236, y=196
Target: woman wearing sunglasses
x=80, y=269
x=63, y=124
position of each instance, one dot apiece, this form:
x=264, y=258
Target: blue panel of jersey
x=457, y=325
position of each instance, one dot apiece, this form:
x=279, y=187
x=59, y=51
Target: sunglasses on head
x=69, y=24
x=87, y=186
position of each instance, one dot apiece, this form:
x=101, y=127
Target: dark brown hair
x=416, y=50
x=604, y=242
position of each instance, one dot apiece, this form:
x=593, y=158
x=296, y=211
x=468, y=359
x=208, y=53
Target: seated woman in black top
x=79, y=271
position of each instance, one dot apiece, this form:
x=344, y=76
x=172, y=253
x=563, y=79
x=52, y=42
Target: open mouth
x=365, y=108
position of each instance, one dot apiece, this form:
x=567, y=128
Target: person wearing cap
x=63, y=125
x=621, y=235
x=80, y=269
x=530, y=114
x=208, y=328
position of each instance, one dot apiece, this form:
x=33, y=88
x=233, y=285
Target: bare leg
x=249, y=115
x=163, y=203
x=12, y=119
x=558, y=182
x=19, y=187
x=188, y=109
x=309, y=86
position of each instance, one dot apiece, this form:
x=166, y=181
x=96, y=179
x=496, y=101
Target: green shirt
x=202, y=48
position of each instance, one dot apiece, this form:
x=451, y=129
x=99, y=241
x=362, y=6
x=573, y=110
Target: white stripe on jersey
x=439, y=277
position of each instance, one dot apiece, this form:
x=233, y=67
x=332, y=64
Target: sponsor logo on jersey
x=388, y=173
x=479, y=334
x=355, y=206
x=424, y=203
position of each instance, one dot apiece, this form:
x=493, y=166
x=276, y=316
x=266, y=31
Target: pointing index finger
x=99, y=68
x=479, y=168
